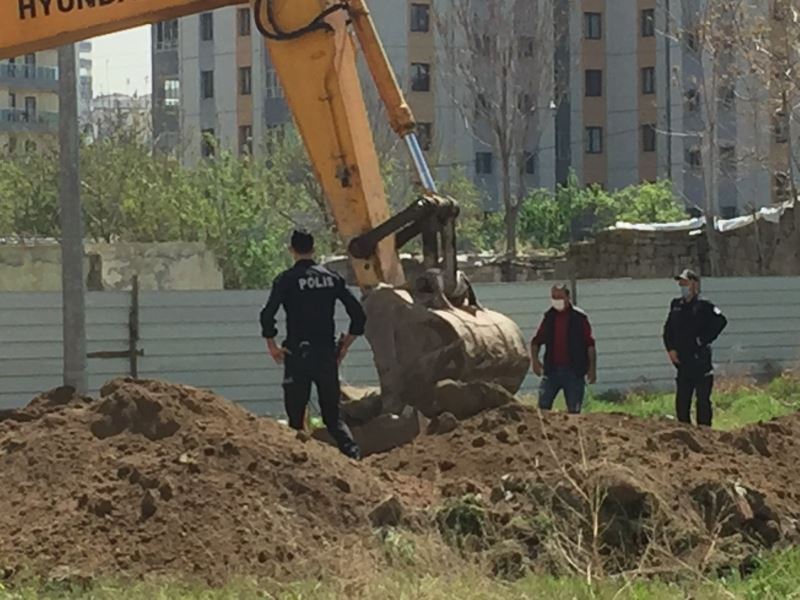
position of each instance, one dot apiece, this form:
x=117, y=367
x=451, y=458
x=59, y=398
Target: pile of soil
x=153, y=478
x=158, y=478
x=666, y=496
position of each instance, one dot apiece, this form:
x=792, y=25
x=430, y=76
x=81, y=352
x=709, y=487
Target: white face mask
x=559, y=305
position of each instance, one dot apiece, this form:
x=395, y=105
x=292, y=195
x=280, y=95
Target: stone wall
x=165, y=266
x=762, y=248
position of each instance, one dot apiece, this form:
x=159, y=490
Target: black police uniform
x=689, y=330
x=308, y=293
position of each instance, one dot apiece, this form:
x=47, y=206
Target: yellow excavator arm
x=421, y=332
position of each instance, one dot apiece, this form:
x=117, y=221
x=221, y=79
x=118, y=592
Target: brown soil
x=155, y=478
x=697, y=497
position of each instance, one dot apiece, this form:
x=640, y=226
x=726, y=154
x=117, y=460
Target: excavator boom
x=33, y=25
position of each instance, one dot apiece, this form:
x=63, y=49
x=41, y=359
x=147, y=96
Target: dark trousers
x=687, y=383
x=319, y=367
x=562, y=378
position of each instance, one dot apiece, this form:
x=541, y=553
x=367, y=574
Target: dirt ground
x=153, y=478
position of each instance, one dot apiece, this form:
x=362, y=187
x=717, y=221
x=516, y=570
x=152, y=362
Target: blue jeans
x=562, y=378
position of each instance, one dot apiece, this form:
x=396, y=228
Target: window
x=648, y=80
x=485, y=44
x=780, y=127
x=246, y=139
x=483, y=163
x=167, y=35
x=781, y=184
x=420, y=18
x=12, y=100
x=649, y=138
x=245, y=81
x=694, y=158
x=206, y=84
x=273, y=86
x=525, y=103
x=526, y=47
x=594, y=82
x=692, y=98
x=243, y=16
x=206, y=27
x=207, y=143
x=172, y=92
x=12, y=143
x=30, y=146
x=273, y=136
x=425, y=135
x=30, y=108
x=727, y=95
x=29, y=70
x=691, y=41
x=594, y=140
x=481, y=105
x=592, y=26
x=727, y=157
x=420, y=77
x=530, y=163
x=648, y=22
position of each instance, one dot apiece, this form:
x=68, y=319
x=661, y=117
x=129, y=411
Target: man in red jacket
x=570, y=357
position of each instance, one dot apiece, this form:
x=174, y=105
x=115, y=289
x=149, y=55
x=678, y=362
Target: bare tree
x=776, y=67
x=497, y=57
x=710, y=31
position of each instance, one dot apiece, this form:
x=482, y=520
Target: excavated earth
x=154, y=478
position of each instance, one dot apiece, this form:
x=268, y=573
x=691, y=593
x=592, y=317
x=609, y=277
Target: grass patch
x=777, y=577
x=735, y=405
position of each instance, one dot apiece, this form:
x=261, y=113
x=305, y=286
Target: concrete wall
x=212, y=339
x=166, y=266
x=762, y=249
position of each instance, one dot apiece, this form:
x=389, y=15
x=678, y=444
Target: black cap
x=302, y=241
x=688, y=275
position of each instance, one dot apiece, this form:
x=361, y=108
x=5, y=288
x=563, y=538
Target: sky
x=121, y=62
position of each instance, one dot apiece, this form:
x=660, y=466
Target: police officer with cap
x=308, y=293
x=692, y=325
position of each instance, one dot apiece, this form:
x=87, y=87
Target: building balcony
x=29, y=77
x=17, y=120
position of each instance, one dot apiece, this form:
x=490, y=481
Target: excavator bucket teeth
x=415, y=347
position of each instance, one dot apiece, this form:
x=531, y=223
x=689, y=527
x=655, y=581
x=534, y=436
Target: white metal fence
x=212, y=339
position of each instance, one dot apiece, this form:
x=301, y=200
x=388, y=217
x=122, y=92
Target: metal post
x=133, y=329
x=72, y=280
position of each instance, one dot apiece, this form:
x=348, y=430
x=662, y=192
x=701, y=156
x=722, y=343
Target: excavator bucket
x=422, y=345
x=418, y=344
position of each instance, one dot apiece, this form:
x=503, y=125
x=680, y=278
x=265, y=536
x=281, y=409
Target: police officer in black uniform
x=692, y=325
x=308, y=293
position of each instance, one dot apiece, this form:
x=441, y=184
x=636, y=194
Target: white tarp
x=772, y=214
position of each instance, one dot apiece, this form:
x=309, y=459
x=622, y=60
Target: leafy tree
x=28, y=199
x=550, y=220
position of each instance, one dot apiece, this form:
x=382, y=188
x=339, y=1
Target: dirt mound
x=155, y=478
x=611, y=492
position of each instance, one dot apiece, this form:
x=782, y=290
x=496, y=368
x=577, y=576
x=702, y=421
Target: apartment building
x=29, y=101
x=85, y=82
x=212, y=80
x=625, y=107
x=637, y=111
x=212, y=77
